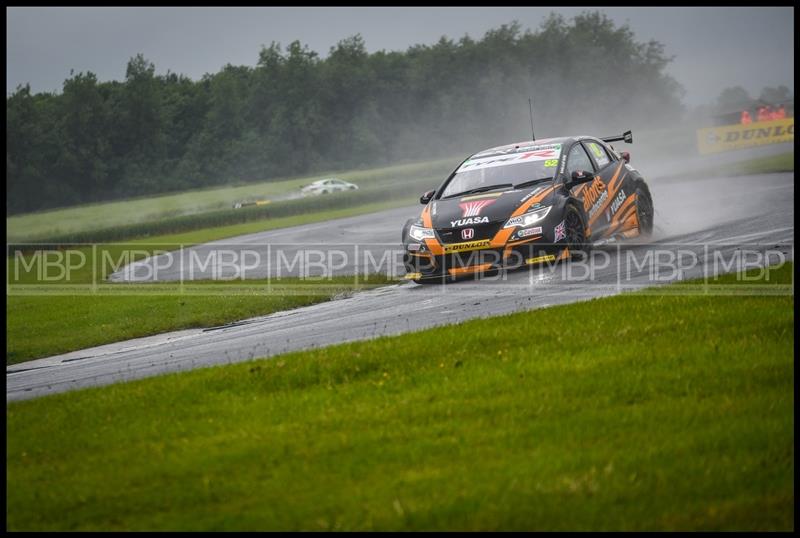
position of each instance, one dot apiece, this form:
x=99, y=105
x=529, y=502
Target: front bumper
x=421, y=265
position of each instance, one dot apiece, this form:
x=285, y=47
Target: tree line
x=736, y=98
x=296, y=113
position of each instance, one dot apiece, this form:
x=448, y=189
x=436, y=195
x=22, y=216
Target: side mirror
x=425, y=198
x=626, y=156
x=580, y=176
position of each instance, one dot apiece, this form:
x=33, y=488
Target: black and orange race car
x=527, y=203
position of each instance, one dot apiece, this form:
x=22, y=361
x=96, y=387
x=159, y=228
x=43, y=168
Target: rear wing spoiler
x=627, y=136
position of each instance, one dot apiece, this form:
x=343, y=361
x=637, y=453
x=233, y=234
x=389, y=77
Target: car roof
x=526, y=145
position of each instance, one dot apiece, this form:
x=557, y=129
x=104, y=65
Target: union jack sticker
x=560, y=232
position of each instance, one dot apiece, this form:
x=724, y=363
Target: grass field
x=635, y=412
x=778, y=163
x=142, y=213
x=783, y=162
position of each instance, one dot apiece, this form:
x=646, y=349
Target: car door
x=610, y=171
x=587, y=193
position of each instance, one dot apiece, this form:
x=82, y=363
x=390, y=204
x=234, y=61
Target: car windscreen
x=503, y=169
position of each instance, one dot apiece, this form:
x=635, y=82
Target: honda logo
x=467, y=233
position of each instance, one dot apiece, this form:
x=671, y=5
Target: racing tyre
x=576, y=232
x=644, y=210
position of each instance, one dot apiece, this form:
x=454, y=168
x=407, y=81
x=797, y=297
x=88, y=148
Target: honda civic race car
x=525, y=204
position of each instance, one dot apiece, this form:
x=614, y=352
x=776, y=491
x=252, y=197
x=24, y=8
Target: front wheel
x=575, y=228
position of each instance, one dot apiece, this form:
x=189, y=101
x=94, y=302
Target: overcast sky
x=713, y=47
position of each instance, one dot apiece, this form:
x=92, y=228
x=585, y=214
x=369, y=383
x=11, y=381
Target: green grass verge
x=783, y=162
x=115, y=221
x=630, y=412
x=41, y=326
x=776, y=163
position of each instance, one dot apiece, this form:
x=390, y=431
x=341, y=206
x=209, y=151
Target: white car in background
x=327, y=186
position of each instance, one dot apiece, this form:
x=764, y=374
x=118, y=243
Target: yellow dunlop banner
x=728, y=137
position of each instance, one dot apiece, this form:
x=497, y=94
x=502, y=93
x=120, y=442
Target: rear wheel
x=575, y=229
x=644, y=210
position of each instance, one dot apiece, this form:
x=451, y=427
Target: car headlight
x=527, y=219
x=419, y=233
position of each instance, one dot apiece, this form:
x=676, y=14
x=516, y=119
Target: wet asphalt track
x=693, y=218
